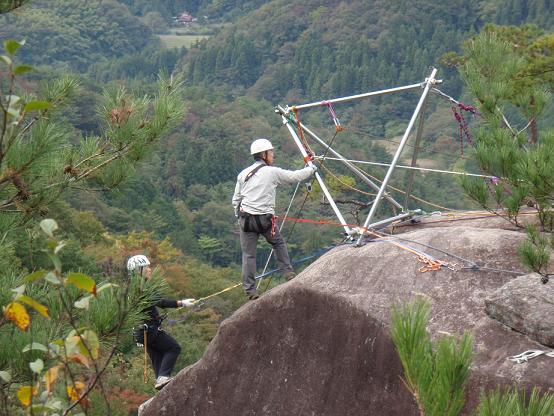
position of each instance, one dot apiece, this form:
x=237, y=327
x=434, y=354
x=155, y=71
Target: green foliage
x=324, y=56
x=535, y=252
x=209, y=246
x=77, y=320
x=73, y=332
x=38, y=160
x=205, y=280
x=512, y=403
x=504, y=68
x=434, y=374
x=10, y=5
x=513, y=12
x=145, y=63
x=73, y=33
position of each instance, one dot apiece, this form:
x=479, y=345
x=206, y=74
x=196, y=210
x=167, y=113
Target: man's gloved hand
x=314, y=168
x=187, y=302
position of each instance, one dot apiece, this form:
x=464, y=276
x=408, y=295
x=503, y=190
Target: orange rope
x=300, y=129
x=431, y=264
x=301, y=132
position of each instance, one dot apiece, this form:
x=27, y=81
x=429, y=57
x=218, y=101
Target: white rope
x=363, y=162
x=529, y=354
x=443, y=95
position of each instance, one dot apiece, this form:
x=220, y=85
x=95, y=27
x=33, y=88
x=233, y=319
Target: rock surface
x=320, y=344
x=526, y=305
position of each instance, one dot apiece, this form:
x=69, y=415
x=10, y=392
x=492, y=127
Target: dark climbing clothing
x=163, y=351
x=161, y=347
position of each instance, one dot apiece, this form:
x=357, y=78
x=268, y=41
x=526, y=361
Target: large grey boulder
x=320, y=344
x=526, y=305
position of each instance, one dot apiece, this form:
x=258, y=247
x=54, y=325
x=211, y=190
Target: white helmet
x=137, y=261
x=260, y=145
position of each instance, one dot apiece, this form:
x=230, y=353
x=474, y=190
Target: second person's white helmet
x=260, y=145
x=139, y=260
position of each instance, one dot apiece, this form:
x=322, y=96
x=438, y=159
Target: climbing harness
x=273, y=225
x=253, y=172
x=529, y=354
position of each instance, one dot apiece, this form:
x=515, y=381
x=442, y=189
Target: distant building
x=185, y=18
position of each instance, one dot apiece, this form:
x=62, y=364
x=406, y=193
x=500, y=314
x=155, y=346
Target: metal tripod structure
x=359, y=232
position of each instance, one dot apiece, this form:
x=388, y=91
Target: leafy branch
x=38, y=157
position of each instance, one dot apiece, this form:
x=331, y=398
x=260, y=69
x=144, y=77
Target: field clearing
x=178, y=41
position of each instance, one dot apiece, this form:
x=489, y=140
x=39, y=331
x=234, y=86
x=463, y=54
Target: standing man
x=254, y=204
x=161, y=347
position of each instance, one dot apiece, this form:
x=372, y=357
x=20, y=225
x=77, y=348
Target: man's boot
x=289, y=275
x=253, y=295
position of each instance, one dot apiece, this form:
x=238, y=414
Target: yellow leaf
x=50, y=378
x=75, y=391
x=79, y=358
x=25, y=393
x=43, y=310
x=17, y=313
x=39, y=274
x=92, y=342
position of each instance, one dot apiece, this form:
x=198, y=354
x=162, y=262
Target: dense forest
x=171, y=200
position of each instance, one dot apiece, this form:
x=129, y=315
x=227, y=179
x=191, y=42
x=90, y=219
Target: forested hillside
x=175, y=205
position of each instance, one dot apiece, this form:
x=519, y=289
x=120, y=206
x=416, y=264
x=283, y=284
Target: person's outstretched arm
x=293, y=176
x=167, y=303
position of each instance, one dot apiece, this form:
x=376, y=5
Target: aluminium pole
x=358, y=96
x=419, y=133
x=428, y=82
x=319, y=180
x=392, y=219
